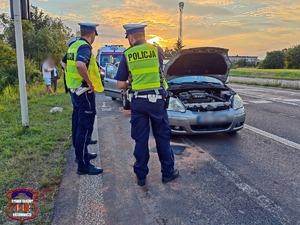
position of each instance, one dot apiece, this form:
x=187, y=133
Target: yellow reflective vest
x=73, y=78
x=144, y=68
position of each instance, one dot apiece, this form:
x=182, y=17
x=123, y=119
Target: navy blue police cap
x=89, y=26
x=134, y=28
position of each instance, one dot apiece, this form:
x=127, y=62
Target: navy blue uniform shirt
x=123, y=71
x=84, y=53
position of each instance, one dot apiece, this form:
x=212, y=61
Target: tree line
x=288, y=58
x=42, y=36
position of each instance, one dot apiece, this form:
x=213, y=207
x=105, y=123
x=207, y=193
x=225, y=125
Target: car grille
x=198, y=109
x=214, y=127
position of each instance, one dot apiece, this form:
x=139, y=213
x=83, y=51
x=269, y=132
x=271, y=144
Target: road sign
x=25, y=8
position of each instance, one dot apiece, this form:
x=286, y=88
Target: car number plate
x=198, y=119
x=212, y=119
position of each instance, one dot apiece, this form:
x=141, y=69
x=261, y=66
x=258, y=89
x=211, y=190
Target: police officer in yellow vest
x=143, y=63
x=83, y=79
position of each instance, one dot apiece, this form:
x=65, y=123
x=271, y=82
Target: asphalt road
x=252, y=177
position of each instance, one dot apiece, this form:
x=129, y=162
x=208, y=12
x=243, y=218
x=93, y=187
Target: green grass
x=33, y=157
x=283, y=74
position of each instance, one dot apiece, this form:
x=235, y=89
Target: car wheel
x=114, y=99
x=125, y=102
x=233, y=132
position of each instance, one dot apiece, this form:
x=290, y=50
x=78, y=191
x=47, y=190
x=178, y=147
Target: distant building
x=244, y=61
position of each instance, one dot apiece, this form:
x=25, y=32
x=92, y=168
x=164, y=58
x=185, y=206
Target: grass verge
x=283, y=74
x=264, y=84
x=33, y=157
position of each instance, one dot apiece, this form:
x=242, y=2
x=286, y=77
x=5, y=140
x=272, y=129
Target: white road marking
x=260, y=102
x=103, y=105
x=106, y=109
x=262, y=200
x=290, y=103
x=269, y=99
x=291, y=100
x=274, y=137
x=265, y=89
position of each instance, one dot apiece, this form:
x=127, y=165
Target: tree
x=169, y=53
x=178, y=46
x=292, y=57
x=42, y=35
x=273, y=60
x=9, y=70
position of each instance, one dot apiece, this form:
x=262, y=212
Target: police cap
x=71, y=41
x=89, y=26
x=134, y=28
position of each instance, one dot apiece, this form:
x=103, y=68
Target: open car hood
x=202, y=61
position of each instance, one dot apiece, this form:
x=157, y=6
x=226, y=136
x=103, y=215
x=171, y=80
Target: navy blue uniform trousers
x=142, y=113
x=83, y=117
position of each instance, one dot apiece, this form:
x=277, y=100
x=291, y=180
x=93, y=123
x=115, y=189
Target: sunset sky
x=246, y=27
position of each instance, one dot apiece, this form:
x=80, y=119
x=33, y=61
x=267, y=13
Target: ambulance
x=109, y=54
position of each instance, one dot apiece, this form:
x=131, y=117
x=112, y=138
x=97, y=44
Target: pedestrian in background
x=143, y=63
x=46, y=70
x=54, y=75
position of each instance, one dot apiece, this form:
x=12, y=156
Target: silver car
x=110, y=85
x=199, y=101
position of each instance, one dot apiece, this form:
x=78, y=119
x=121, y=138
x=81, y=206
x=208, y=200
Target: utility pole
x=178, y=46
x=180, y=35
x=20, y=60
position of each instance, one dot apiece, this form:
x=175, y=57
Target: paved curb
x=90, y=197
x=80, y=198
x=275, y=82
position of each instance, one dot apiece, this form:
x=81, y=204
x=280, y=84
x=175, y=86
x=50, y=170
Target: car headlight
x=237, y=102
x=176, y=105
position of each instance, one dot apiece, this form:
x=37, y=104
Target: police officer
x=63, y=63
x=83, y=79
x=142, y=62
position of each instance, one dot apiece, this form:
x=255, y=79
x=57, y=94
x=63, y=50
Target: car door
x=110, y=84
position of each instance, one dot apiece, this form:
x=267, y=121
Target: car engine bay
x=211, y=99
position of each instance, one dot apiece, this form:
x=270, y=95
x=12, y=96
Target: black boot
x=171, y=177
x=141, y=182
x=91, y=156
x=91, y=170
x=93, y=142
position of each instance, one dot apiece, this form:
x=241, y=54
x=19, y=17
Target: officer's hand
x=91, y=88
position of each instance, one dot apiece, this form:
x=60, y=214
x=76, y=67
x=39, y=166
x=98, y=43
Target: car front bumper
x=213, y=122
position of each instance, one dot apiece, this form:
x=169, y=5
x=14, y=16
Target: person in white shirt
x=46, y=68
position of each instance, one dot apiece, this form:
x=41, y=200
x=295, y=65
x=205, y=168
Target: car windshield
x=112, y=58
x=195, y=79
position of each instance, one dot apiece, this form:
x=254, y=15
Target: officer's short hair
x=138, y=35
x=86, y=32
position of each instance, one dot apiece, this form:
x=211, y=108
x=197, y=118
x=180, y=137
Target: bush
x=9, y=68
x=33, y=75
x=273, y=60
x=292, y=56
